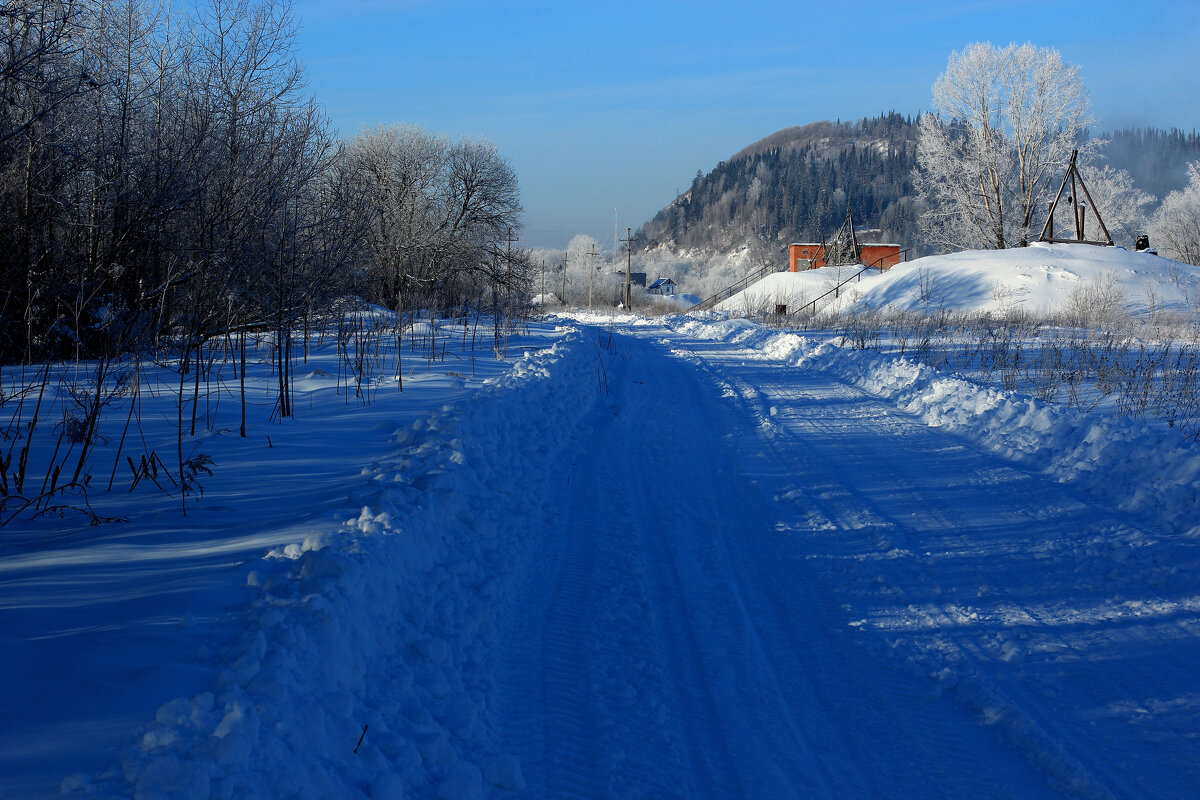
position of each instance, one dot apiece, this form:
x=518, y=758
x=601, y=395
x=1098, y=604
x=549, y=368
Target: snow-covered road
x=760, y=582
x=655, y=558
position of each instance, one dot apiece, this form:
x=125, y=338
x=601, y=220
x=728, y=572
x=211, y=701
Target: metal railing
x=856, y=277
x=732, y=289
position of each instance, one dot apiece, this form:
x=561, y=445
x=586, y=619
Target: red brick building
x=807, y=255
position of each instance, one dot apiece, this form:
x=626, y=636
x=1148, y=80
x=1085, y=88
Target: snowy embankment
x=388, y=617
x=1135, y=466
x=795, y=290
x=1039, y=279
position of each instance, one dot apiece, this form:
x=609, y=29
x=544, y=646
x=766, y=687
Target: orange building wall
x=885, y=255
x=880, y=255
x=803, y=252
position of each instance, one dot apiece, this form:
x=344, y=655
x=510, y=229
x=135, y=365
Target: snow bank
x=1133, y=465
x=363, y=668
x=1038, y=279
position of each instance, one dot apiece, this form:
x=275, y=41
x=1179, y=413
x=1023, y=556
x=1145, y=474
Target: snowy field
x=637, y=558
x=102, y=625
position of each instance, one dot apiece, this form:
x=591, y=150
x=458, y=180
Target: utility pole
x=628, y=240
x=543, y=280
x=592, y=275
x=564, y=295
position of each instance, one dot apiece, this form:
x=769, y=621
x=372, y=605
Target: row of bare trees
x=168, y=188
x=438, y=218
x=166, y=175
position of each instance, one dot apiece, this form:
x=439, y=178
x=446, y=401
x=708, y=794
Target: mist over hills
x=796, y=184
x=1156, y=159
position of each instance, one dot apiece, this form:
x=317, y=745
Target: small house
x=663, y=286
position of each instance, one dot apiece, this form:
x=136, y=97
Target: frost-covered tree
x=1003, y=125
x=397, y=170
x=1175, y=227
x=437, y=212
x=580, y=266
x=1122, y=205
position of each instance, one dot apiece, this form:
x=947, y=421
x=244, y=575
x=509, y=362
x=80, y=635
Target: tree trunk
x=242, y=379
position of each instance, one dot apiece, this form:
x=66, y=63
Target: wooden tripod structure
x=1079, y=209
x=843, y=244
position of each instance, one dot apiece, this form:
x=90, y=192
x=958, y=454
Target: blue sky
x=615, y=106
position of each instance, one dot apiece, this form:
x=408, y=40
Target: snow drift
x=1138, y=467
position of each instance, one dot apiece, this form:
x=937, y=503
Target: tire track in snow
x=760, y=680
x=716, y=659
x=913, y=514
x=842, y=499
x=582, y=701
x=685, y=700
x=737, y=746
x=1077, y=759
x=881, y=703
x=547, y=712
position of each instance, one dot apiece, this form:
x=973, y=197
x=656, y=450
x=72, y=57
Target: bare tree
x=41, y=82
x=397, y=172
x=38, y=68
x=435, y=211
x=581, y=278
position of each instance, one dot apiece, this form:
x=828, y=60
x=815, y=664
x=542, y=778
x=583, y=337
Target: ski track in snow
x=675, y=559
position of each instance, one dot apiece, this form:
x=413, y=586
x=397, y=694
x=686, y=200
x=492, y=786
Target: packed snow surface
x=791, y=289
x=663, y=558
x=1038, y=279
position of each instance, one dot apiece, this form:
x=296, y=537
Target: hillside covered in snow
x=1042, y=279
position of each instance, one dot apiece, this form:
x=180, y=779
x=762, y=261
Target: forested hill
x=795, y=185
x=1157, y=159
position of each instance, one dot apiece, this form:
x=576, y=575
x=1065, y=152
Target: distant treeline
x=797, y=184
x=1157, y=159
